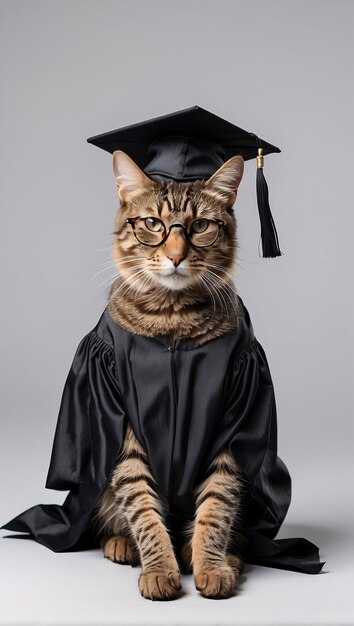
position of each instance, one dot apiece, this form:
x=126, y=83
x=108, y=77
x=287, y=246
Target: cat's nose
x=175, y=247
x=176, y=259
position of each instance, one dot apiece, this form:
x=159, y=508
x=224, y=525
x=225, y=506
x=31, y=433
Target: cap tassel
x=269, y=236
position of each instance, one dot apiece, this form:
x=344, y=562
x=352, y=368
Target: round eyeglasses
x=151, y=231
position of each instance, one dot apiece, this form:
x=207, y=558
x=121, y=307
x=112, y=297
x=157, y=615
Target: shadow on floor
x=324, y=536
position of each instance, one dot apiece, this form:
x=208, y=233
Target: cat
x=175, y=250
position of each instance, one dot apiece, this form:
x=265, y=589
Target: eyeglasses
x=150, y=231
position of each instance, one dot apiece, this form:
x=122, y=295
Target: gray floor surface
x=41, y=588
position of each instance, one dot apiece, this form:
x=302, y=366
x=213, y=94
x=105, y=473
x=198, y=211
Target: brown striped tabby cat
x=176, y=289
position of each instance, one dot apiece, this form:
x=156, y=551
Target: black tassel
x=270, y=243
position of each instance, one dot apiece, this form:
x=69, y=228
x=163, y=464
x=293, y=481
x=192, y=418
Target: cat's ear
x=227, y=178
x=129, y=177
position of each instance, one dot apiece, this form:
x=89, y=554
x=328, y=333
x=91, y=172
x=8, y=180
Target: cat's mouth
x=174, y=278
x=177, y=272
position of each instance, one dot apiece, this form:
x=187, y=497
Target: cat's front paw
x=120, y=549
x=160, y=585
x=219, y=582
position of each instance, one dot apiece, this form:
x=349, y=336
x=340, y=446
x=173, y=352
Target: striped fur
x=132, y=519
x=199, y=304
x=215, y=570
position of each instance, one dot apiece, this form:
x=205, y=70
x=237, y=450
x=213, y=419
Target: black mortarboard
x=192, y=144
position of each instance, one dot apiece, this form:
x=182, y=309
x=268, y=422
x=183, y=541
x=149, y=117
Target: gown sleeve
x=250, y=414
x=88, y=438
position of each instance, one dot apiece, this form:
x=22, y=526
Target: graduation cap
x=190, y=145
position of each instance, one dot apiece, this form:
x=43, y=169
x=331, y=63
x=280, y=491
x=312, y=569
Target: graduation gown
x=184, y=403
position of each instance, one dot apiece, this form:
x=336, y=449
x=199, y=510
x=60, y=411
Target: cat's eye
x=152, y=223
x=199, y=226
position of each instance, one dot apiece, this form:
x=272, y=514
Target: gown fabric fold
x=184, y=403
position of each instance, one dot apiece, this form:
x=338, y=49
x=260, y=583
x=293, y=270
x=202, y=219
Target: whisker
x=131, y=256
x=134, y=284
x=206, y=287
x=113, y=266
x=111, y=279
x=144, y=283
x=103, y=249
x=247, y=260
x=229, y=290
x=216, y=290
x=130, y=260
x=128, y=283
x=105, y=262
x=223, y=269
x=126, y=259
x=222, y=280
x=218, y=293
x=229, y=296
x=243, y=268
x=117, y=290
x=105, y=269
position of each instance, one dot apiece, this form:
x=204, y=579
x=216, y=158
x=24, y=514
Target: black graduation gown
x=184, y=403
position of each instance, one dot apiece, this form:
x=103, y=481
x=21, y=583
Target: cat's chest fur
x=189, y=315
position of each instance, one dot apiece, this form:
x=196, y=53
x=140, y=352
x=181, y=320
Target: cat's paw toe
x=217, y=583
x=120, y=549
x=160, y=585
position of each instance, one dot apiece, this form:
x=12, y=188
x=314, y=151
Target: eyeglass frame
x=133, y=220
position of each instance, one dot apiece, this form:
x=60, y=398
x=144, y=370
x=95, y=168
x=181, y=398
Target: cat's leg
x=216, y=571
x=117, y=544
x=137, y=502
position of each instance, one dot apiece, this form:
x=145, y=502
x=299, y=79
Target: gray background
x=283, y=70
